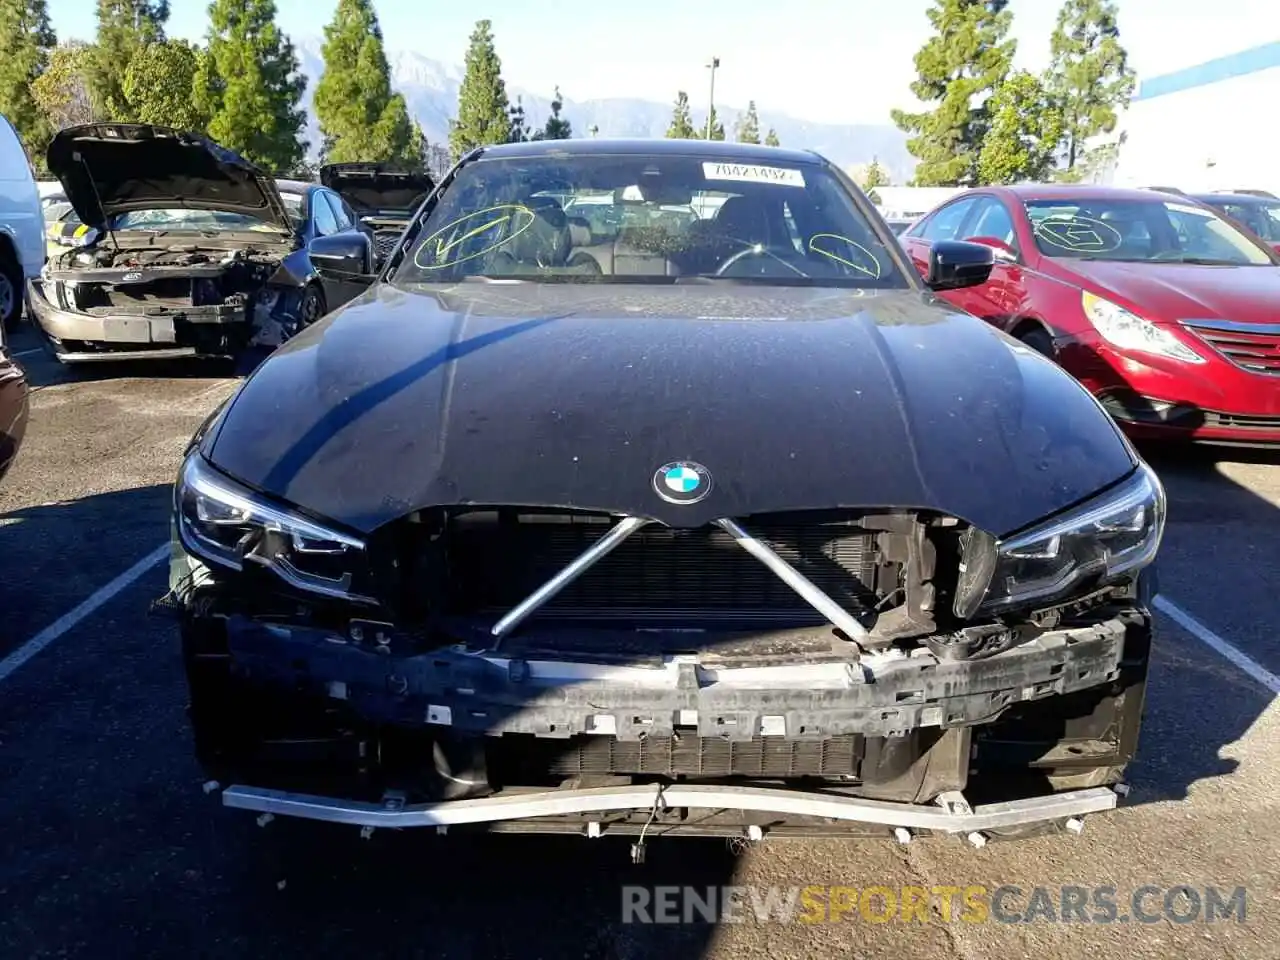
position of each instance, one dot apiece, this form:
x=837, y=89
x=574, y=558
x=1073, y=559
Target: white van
x=22, y=246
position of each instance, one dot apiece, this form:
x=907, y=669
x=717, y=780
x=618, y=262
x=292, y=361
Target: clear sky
x=825, y=60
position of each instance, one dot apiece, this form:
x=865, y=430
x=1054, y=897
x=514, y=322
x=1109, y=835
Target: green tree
x=519, y=123
x=62, y=90
x=249, y=85
x=747, y=129
x=360, y=117
x=965, y=61
x=557, y=128
x=159, y=85
x=482, y=98
x=124, y=27
x=25, y=42
x=1022, y=140
x=1088, y=76
x=871, y=176
x=771, y=138
x=681, y=127
x=716, y=126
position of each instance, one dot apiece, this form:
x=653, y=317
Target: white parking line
x=1214, y=642
x=68, y=620
x=27, y=353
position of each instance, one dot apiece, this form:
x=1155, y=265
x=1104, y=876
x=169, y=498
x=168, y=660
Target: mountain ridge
x=430, y=89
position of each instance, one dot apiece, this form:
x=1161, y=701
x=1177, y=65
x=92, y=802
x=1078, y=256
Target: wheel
x=10, y=289
x=313, y=306
x=1038, y=339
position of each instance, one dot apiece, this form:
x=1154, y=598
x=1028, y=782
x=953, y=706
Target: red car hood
x=1180, y=291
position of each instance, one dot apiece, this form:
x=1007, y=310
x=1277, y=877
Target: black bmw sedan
x=702, y=516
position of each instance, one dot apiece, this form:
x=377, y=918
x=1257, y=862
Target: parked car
x=21, y=224
x=183, y=249
x=1259, y=214
x=63, y=226
x=14, y=405
x=711, y=526
x=383, y=196
x=1158, y=304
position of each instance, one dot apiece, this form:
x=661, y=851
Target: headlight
x=229, y=526
x=1128, y=331
x=1096, y=543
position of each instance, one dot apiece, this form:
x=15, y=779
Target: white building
x=1215, y=126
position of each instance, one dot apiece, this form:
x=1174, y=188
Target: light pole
x=711, y=100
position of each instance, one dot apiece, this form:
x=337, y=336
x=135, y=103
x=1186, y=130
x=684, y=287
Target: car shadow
x=1198, y=704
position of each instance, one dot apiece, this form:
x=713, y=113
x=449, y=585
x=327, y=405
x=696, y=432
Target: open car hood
x=112, y=168
x=376, y=188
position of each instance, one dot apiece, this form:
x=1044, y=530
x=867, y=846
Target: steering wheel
x=782, y=254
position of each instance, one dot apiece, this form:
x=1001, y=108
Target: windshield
x=1262, y=218
x=57, y=211
x=295, y=206
x=195, y=220
x=654, y=218
x=1155, y=231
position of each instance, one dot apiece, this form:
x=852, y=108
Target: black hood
x=573, y=395
x=373, y=188
x=112, y=168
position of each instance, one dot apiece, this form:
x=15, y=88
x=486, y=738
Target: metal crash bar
x=788, y=574
x=946, y=818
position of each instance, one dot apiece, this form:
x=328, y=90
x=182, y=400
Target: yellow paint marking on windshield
x=873, y=274
x=442, y=248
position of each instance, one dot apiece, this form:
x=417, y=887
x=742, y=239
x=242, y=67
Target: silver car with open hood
x=189, y=249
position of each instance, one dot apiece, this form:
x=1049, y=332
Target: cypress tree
x=482, y=98
x=361, y=118
x=250, y=87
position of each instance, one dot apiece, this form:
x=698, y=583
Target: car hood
x=573, y=395
x=1179, y=291
x=112, y=168
x=373, y=188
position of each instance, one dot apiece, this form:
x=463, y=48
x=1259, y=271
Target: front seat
x=544, y=244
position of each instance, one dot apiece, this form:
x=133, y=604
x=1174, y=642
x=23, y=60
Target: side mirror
x=1002, y=250
x=345, y=256
x=955, y=264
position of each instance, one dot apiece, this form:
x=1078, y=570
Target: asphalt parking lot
x=108, y=847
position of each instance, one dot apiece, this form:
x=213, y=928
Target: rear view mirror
x=955, y=264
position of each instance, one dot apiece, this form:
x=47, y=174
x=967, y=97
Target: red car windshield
x=1262, y=218
x=1141, y=231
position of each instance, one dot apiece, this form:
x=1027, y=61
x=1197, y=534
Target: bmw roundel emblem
x=682, y=482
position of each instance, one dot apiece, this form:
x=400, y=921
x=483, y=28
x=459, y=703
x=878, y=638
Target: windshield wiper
x=1211, y=262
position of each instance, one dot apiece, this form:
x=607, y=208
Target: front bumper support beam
x=943, y=818
x=625, y=527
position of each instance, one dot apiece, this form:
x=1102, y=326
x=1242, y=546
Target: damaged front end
x=151, y=298
x=544, y=670
x=183, y=251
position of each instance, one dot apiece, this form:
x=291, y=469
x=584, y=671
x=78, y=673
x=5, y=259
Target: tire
x=10, y=289
x=1039, y=340
x=313, y=306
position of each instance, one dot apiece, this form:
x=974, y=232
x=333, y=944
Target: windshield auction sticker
x=752, y=173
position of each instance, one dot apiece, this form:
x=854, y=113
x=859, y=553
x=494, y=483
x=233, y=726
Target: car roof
x=1076, y=191
x=296, y=186
x=657, y=146
x=1244, y=199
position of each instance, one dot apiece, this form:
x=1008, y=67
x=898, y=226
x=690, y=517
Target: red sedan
x=1156, y=303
